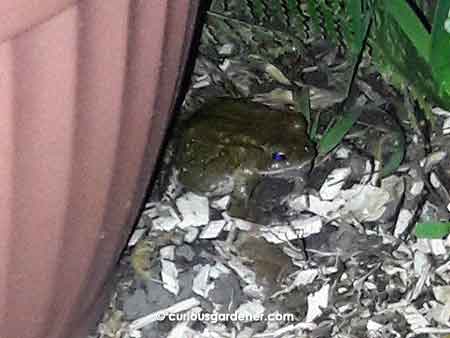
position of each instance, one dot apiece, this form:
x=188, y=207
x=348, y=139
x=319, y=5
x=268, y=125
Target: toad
x=229, y=144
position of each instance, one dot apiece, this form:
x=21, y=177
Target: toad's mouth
x=286, y=169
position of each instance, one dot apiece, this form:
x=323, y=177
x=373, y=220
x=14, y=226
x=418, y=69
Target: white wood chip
x=277, y=95
x=169, y=276
x=315, y=205
x=404, y=218
x=446, y=126
x=423, y=278
x=342, y=153
x=194, y=210
x=243, y=225
x=163, y=217
x=441, y=313
x=191, y=234
x=434, y=180
x=250, y=310
x=430, y=330
x=443, y=271
x=226, y=49
x=136, y=236
x=286, y=329
x=167, y=252
x=246, y=332
x=225, y=64
x=161, y=314
x=299, y=228
x=202, y=83
x=221, y=203
x=182, y=330
x=442, y=293
x=374, y=326
x=277, y=74
x=302, y=278
x=421, y=262
x=440, y=111
x=334, y=183
x=376, y=173
x=437, y=247
x=218, y=269
x=245, y=273
x=307, y=225
x=413, y=317
x=368, y=173
x=432, y=159
x=316, y=302
x=212, y=230
x=254, y=291
x=132, y=334
x=365, y=202
x=305, y=277
x=201, y=284
x=417, y=187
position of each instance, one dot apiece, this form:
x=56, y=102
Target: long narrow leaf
x=411, y=25
x=302, y=103
x=397, y=155
x=314, y=126
x=335, y=134
x=440, y=47
x=356, y=23
x=432, y=229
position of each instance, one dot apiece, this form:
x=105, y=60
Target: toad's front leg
x=245, y=181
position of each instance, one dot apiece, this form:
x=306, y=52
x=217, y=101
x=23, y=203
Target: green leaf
x=312, y=6
x=328, y=14
x=335, y=134
x=302, y=103
x=357, y=49
x=399, y=60
x=411, y=25
x=314, y=126
x=357, y=24
x=432, y=229
x=398, y=153
x=440, y=47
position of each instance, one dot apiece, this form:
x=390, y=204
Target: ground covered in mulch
x=337, y=258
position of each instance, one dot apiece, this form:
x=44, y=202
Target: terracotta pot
x=86, y=88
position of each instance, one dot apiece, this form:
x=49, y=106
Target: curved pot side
x=85, y=100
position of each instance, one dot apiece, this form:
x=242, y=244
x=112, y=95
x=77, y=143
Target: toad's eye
x=279, y=156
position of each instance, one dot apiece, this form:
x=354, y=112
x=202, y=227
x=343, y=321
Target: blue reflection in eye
x=279, y=156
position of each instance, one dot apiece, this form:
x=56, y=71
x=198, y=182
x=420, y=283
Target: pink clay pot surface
x=86, y=90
